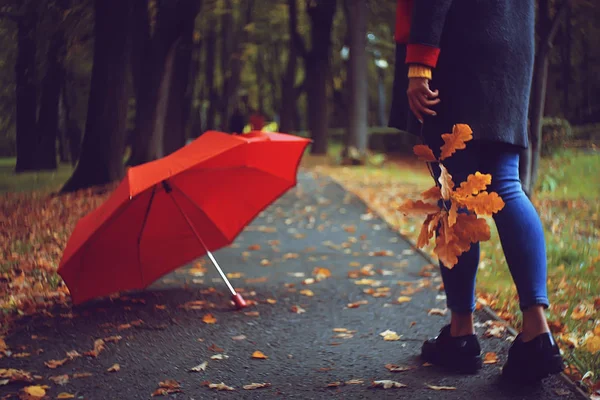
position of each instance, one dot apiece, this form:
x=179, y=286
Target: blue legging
x=518, y=224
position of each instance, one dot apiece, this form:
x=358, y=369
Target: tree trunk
x=26, y=94
x=288, y=92
x=359, y=95
x=566, y=63
x=48, y=121
x=321, y=15
x=547, y=28
x=103, y=145
x=63, y=142
x=148, y=136
x=179, y=96
x=209, y=83
x=72, y=131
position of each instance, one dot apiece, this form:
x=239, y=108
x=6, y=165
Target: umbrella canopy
x=168, y=212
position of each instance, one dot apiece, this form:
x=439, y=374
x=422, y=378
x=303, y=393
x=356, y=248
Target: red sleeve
x=403, y=14
x=422, y=54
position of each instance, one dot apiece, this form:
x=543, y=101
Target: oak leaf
x=445, y=180
x=418, y=207
x=424, y=153
x=474, y=184
x=434, y=193
x=461, y=133
x=483, y=204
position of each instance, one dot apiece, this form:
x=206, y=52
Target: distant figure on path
x=257, y=120
x=471, y=62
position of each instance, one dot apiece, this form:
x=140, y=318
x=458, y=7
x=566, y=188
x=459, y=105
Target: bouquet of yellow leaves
x=455, y=231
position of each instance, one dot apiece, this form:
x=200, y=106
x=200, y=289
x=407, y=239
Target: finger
x=414, y=109
x=433, y=94
x=423, y=108
x=428, y=102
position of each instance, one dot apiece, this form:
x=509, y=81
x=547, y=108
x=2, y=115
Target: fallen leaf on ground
x=253, y=386
x=388, y=384
x=114, y=368
x=389, y=335
x=355, y=382
x=297, y=309
x=200, y=367
x=60, y=379
x=593, y=344
x=53, y=364
x=441, y=387
x=35, y=391
x=220, y=386
x=334, y=384
x=82, y=375
x=357, y=304
x=437, y=311
x=403, y=299
x=307, y=292
x=215, y=348
x=397, y=368
x=490, y=358
x=167, y=387
x=238, y=337
x=113, y=339
x=98, y=347
x=209, y=319
x=254, y=247
x=252, y=313
x=271, y=301
x=65, y=395
x=259, y=354
x=15, y=375
x=219, y=357
x=321, y=273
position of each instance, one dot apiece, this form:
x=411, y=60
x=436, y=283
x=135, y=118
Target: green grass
x=29, y=181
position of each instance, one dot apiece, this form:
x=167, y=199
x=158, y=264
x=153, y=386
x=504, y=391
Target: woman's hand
x=420, y=97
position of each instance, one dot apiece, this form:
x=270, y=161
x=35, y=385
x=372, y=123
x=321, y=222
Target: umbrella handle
x=236, y=297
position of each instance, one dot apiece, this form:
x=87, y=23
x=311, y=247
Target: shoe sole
x=463, y=365
x=552, y=365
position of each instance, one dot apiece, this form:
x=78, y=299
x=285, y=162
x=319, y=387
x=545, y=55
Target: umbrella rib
x=139, y=241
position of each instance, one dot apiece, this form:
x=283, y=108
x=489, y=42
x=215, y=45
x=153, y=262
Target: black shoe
x=460, y=354
x=530, y=362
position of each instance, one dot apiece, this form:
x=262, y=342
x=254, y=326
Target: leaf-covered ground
x=36, y=226
x=567, y=200
x=340, y=305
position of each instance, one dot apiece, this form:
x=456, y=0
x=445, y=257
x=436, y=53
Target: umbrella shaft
x=214, y=261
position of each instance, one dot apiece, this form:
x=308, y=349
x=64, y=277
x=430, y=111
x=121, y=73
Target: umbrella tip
x=239, y=301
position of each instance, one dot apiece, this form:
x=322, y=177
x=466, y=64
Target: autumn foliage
x=440, y=205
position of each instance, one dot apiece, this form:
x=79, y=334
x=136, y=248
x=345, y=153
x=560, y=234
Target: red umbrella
x=168, y=212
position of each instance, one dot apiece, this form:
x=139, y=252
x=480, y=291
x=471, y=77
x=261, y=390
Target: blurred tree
x=101, y=160
x=154, y=72
x=317, y=69
x=357, y=80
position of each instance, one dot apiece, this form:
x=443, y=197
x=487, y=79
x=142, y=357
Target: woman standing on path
x=471, y=62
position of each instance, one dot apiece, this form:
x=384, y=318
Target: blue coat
x=484, y=68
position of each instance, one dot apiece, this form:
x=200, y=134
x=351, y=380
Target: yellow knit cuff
x=419, y=71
